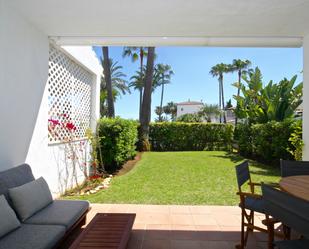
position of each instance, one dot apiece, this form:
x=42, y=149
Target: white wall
x=188, y=109
x=24, y=52
x=51, y=161
x=23, y=74
x=306, y=99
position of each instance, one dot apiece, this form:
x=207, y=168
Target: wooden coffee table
x=296, y=185
x=106, y=230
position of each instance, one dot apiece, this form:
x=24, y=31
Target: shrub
x=242, y=135
x=117, y=141
x=269, y=141
x=190, y=118
x=179, y=136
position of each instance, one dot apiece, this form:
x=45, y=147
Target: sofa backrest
x=14, y=177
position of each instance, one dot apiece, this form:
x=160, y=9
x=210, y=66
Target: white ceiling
x=95, y=20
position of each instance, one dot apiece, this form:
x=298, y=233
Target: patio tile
x=200, y=210
x=178, y=209
x=134, y=244
x=158, y=232
x=211, y=233
x=156, y=244
x=204, y=219
x=154, y=218
x=162, y=209
x=185, y=244
x=224, y=219
x=190, y=227
x=182, y=232
x=217, y=245
x=181, y=219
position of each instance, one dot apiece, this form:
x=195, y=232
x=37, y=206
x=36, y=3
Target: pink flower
x=54, y=121
x=70, y=126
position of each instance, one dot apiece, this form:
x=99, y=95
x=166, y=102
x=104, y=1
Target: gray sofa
x=47, y=227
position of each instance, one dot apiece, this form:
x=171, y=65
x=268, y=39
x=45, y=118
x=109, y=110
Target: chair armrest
x=273, y=184
x=270, y=221
x=254, y=184
x=246, y=194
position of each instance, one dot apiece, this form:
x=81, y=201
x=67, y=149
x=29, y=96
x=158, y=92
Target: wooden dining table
x=297, y=186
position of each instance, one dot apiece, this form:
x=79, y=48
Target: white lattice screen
x=69, y=97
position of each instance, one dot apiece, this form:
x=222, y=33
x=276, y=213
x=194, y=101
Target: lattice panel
x=69, y=98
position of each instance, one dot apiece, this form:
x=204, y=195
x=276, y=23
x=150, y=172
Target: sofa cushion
x=8, y=217
x=14, y=177
x=60, y=212
x=33, y=236
x=30, y=198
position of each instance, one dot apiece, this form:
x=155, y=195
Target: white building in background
x=188, y=107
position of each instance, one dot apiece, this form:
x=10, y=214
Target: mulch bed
x=129, y=165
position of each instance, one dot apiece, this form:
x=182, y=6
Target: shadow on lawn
x=259, y=168
x=235, y=158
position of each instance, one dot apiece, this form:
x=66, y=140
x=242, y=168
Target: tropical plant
x=218, y=71
x=208, y=111
x=136, y=53
x=228, y=104
x=190, y=118
x=108, y=80
x=163, y=74
x=297, y=142
x=170, y=109
x=146, y=105
x=273, y=102
x=119, y=85
x=241, y=67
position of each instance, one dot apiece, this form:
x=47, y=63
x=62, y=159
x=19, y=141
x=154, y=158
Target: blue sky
x=192, y=79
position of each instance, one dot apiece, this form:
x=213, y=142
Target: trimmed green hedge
x=179, y=136
x=117, y=138
x=267, y=142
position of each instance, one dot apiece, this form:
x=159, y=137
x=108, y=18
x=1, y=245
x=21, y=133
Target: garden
x=190, y=160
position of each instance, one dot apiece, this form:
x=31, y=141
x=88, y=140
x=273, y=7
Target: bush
x=117, y=142
x=242, y=134
x=269, y=141
x=190, y=118
x=179, y=136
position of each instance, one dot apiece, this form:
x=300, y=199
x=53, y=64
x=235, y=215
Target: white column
x=306, y=98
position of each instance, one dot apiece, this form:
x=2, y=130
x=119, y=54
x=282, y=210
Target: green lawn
x=206, y=177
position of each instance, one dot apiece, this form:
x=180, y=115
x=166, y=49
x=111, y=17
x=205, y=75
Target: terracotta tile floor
x=184, y=227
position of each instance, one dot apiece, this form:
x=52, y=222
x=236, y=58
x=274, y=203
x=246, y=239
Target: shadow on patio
x=181, y=227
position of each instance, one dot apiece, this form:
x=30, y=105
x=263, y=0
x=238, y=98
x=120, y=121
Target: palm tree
x=146, y=106
x=136, y=53
x=108, y=80
x=163, y=76
x=241, y=67
x=119, y=85
x=137, y=82
x=170, y=109
x=218, y=71
x=209, y=111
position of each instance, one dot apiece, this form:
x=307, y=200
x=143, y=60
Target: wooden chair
x=250, y=202
x=291, y=211
x=293, y=168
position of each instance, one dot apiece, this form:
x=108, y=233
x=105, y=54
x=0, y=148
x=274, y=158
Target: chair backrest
x=14, y=177
x=242, y=173
x=290, y=210
x=293, y=168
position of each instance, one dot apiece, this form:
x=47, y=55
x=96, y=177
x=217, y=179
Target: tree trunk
x=223, y=105
x=220, y=101
x=108, y=80
x=238, y=93
x=161, y=103
x=141, y=56
x=140, y=103
x=146, y=106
